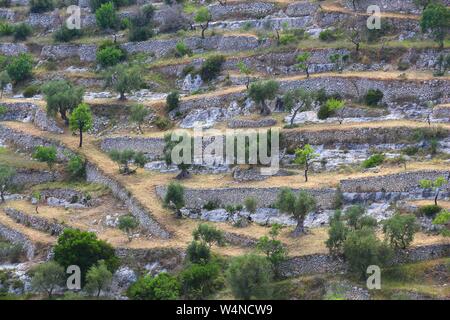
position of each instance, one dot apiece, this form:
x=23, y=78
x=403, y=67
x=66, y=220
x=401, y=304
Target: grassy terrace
x=143, y=184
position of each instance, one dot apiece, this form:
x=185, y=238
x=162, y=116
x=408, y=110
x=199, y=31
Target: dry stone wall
x=19, y=238
x=152, y=147
x=35, y=222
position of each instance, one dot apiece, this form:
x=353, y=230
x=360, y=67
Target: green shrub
x=46, y=154
x=39, y=6
x=410, y=150
x=211, y=67
x=250, y=204
x=329, y=35
x=82, y=248
x=65, y=34
x=172, y=101
x=76, y=167
x=400, y=229
x=373, y=97
x=10, y=252
x=373, y=161
x=31, y=91
x=212, y=205
x=106, y=16
x=22, y=31
x=198, y=252
x=429, y=210
x=161, y=287
x=20, y=68
x=175, y=195
x=109, y=54
x=6, y=29
x=162, y=123
x=140, y=33
x=189, y=69
x=181, y=50
x=324, y=112
x=200, y=280
x=403, y=65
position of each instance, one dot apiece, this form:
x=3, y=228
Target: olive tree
x=203, y=17
x=297, y=206
x=123, y=79
x=436, y=19
x=47, y=276
x=6, y=178
x=62, y=97
x=138, y=115
x=297, y=100
x=81, y=120
x=400, y=229
x=437, y=184
x=303, y=157
x=261, y=91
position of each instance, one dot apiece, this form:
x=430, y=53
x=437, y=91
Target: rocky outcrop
x=236, y=123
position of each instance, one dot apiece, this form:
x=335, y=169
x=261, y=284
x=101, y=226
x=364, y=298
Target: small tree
x=45, y=154
x=400, y=229
x=249, y=276
x=303, y=157
x=443, y=219
x=198, y=281
x=273, y=249
x=128, y=224
x=7, y=174
x=124, y=79
x=38, y=197
x=62, y=97
x=437, y=184
x=5, y=79
x=211, y=67
x=303, y=62
x=76, y=167
x=161, y=287
x=175, y=196
x=354, y=31
x=172, y=101
x=138, y=115
x=436, y=18
x=430, y=106
x=82, y=248
x=106, y=16
x=337, y=233
x=245, y=70
x=422, y=4
x=203, y=17
x=339, y=61
x=47, y=276
x=362, y=249
x=198, y=252
x=125, y=157
x=297, y=206
x=261, y=91
x=185, y=162
x=250, y=204
x=208, y=235
x=336, y=107
x=81, y=120
x=296, y=100
x=20, y=68
x=98, y=278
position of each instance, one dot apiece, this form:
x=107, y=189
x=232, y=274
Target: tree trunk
x=307, y=71
x=265, y=111
x=81, y=137
x=357, y=47
x=140, y=129
x=98, y=292
x=436, y=197
x=2, y=195
x=299, y=228
x=122, y=96
x=36, y=209
x=306, y=171
x=184, y=174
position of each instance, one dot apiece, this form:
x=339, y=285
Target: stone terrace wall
x=400, y=182
x=372, y=135
x=12, y=49
x=168, y=258
x=196, y=198
x=17, y=237
x=28, y=142
x=241, y=10
x=325, y=263
x=30, y=177
x=35, y=222
x=152, y=147
x=404, y=6
x=27, y=111
x=93, y=174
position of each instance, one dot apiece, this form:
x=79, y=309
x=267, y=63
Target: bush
x=172, y=101
x=76, y=167
x=31, y=91
x=324, y=112
x=140, y=33
x=39, y=6
x=6, y=29
x=161, y=287
x=337, y=233
x=362, y=249
x=106, y=16
x=373, y=97
x=429, y=210
x=249, y=277
x=162, y=123
x=82, y=248
x=212, y=205
x=181, y=50
x=373, y=161
x=20, y=67
x=65, y=34
x=45, y=154
x=211, y=67
x=250, y=204
x=200, y=280
x=46, y=276
x=198, y=252
x=10, y=252
x=109, y=54
x=22, y=31
x=174, y=195
x=400, y=230
x=329, y=35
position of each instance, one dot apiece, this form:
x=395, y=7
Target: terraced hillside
x=362, y=117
